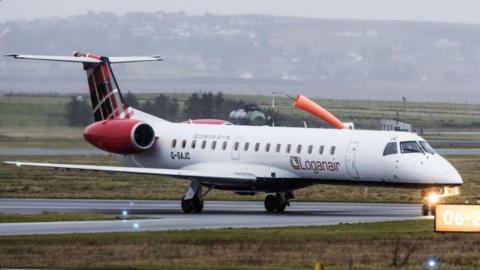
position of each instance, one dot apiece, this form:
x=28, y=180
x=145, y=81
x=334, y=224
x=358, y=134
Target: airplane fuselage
x=297, y=156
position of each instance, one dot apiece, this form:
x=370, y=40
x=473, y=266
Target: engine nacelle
x=126, y=136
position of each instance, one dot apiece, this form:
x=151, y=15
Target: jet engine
x=125, y=136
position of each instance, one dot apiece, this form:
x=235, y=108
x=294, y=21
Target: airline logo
x=314, y=166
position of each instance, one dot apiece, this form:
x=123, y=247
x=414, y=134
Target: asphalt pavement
x=151, y=215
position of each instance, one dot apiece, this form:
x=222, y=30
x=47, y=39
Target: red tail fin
x=107, y=100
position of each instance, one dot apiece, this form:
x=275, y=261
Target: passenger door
x=390, y=162
x=350, y=160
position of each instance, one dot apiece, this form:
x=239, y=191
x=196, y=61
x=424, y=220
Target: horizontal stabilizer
x=83, y=59
x=133, y=59
x=55, y=58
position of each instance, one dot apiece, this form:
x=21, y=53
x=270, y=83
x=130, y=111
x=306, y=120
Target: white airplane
x=249, y=159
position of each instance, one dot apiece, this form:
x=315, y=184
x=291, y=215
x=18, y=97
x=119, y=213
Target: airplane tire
x=187, y=206
x=425, y=210
x=194, y=205
x=270, y=203
x=197, y=204
x=281, y=207
x=432, y=210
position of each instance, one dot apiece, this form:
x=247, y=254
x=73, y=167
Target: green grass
x=32, y=111
x=365, y=246
x=54, y=217
x=38, y=138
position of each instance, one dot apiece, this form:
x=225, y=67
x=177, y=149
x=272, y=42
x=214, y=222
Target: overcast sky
x=461, y=11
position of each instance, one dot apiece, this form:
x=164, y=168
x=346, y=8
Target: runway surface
x=167, y=215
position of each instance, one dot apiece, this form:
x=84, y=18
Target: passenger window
x=278, y=148
x=194, y=143
x=184, y=143
x=174, y=143
x=245, y=147
x=257, y=147
x=235, y=147
x=204, y=144
x=320, y=150
x=214, y=144
x=390, y=149
x=299, y=148
x=410, y=147
x=289, y=147
x=267, y=147
x=332, y=150
x=310, y=149
x=224, y=145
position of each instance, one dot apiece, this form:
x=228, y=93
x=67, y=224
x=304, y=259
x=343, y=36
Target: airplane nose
x=448, y=173
x=457, y=178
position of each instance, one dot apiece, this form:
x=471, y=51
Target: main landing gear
x=192, y=202
x=278, y=202
x=430, y=199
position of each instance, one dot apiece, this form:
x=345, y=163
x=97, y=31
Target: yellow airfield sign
x=457, y=218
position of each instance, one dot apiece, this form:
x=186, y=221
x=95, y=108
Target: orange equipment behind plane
x=306, y=104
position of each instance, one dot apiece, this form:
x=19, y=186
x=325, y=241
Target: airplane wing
x=135, y=170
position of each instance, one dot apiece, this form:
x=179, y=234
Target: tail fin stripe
x=98, y=115
x=104, y=92
x=104, y=99
x=118, y=99
x=111, y=90
x=110, y=102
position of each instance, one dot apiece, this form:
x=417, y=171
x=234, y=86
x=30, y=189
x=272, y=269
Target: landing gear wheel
x=275, y=203
x=281, y=207
x=197, y=204
x=270, y=203
x=187, y=205
x=432, y=210
x=425, y=210
x=193, y=205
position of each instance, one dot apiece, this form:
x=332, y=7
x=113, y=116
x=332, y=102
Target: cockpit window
x=390, y=149
x=427, y=147
x=410, y=147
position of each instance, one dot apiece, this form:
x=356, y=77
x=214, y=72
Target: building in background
x=390, y=124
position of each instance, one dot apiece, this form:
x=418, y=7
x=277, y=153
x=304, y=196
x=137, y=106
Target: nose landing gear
x=430, y=199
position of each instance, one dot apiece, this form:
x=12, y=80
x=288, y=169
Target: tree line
x=78, y=111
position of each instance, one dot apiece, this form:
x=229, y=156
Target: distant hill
x=253, y=54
